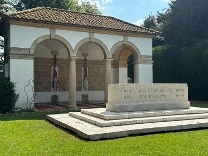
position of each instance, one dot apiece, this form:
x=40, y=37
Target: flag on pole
x=55, y=75
x=85, y=75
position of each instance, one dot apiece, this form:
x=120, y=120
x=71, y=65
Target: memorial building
x=52, y=53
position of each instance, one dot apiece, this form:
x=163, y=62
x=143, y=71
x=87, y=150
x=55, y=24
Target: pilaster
x=107, y=77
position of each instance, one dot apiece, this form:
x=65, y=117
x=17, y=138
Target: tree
x=89, y=8
x=151, y=23
x=185, y=22
x=130, y=68
x=194, y=69
x=72, y=5
x=167, y=64
x=7, y=95
x=5, y=5
x=28, y=4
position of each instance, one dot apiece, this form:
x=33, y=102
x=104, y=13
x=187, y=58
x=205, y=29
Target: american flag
x=55, y=75
x=85, y=74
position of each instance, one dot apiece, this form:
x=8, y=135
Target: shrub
x=8, y=97
x=167, y=64
x=195, y=70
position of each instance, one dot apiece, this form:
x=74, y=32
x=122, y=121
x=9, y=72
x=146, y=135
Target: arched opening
x=126, y=65
x=124, y=57
x=45, y=52
x=90, y=58
x=130, y=68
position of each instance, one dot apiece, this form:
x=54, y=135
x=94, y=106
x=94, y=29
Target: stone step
x=108, y=123
x=93, y=132
x=107, y=115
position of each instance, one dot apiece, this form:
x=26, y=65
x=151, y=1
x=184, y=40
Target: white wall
x=73, y=37
x=93, y=50
x=42, y=97
x=43, y=51
x=108, y=40
x=23, y=37
x=92, y=95
x=143, y=44
x=22, y=74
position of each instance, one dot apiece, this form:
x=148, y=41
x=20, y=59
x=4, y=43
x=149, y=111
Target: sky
x=133, y=11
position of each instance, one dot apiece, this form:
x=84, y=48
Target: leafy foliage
x=89, y=8
x=184, y=27
x=1, y=62
x=130, y=68
x=188, y=65
x=195, y=70
x=5, y=5
x=185, y=22
x=167, y=64
x=28, y=4
x=7, y=95
x=72, y=5
x=151, y=23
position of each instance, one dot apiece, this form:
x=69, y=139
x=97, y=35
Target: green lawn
x=30, y=134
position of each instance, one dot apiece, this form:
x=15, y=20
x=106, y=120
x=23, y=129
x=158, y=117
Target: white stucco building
x=32, y=37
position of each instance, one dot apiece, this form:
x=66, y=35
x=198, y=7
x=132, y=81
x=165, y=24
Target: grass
x=28, y=133
x=202, y=105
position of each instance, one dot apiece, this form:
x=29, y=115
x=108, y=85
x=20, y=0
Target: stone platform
x=95, y=124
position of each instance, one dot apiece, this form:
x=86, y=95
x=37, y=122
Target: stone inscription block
x=130, y=97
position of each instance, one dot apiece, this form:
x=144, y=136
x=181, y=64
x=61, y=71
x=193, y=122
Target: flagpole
x=85, y=79
x=54, y=97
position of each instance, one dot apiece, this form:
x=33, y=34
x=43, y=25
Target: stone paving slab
x=92, y=132
x=107, y=115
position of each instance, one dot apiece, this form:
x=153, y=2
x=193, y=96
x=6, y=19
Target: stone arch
x=96, y=41
x=46, y=37
x=137, y=53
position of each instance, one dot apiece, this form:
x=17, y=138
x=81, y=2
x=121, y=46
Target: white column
x=6, y=70
x=107, y=77
x=144, y=71
x=72, y=83
x=123, y=75
x=22, y=74
x=136, y=72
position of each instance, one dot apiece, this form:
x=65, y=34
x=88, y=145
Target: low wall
x=145, y=97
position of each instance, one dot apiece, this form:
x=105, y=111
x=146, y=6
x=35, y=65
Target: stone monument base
x=147, y=106
x=85, y=98
x=54, y=99
x=95, y=124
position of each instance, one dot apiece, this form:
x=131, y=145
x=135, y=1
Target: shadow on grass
x=28, y=115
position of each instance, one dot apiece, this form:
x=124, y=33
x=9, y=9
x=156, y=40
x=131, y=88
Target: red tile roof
x=64, y=17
